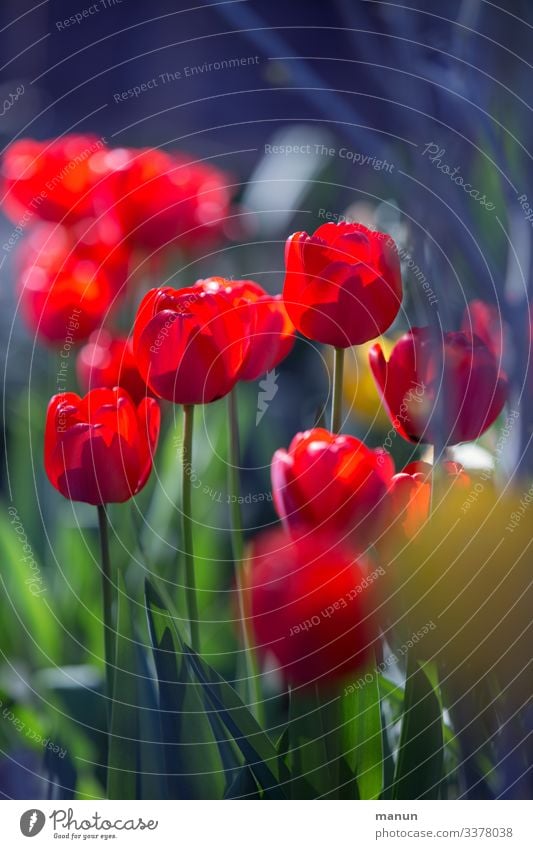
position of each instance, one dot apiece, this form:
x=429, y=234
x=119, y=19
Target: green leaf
x=153, y=779
x=363, y=743
x=124, y=727
x=419, y=768
x=388, y=759
x=282, y=747
x=74, y=709
x=393, y=694
x=194, y=764
x=34, y=502
x=244, y=786
x=221, y=707
x=256, y=747
x=313, y=766
x=33, y=625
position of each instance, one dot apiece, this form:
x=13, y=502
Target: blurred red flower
x=99, y=449
x=190, y=344
x=53, y=180
x=69, y=279
x=333, y=482
x=310, y=607
x=343, y=284
x=160, y=198
x=409, y=497
x=438, y=388
x=107, y=361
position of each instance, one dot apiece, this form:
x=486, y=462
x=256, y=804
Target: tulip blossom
x=159, y=198
x=485, y=321
x=343, y=284
x=310, y=607
x=99, y=448
x=190, y=344
x=69, y=280
x=52, y=180
x=445, y=389
x=272, y=336
x=271, y=330
x=107, y=361
x=332, y=482
x=409, y=498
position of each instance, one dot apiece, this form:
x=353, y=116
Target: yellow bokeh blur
x=468, y=571
x=360, y=395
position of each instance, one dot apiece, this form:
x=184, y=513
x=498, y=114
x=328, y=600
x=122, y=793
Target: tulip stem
x=436, y=471
x=186, y=507
x=107, y=602
x=237, y=544
x=336, y=404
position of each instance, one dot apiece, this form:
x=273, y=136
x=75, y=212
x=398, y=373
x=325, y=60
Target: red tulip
x=486, y=322
x=410, y=494
x=160, y=198
x=190, y=344
x=310, y=608
x=332, y=482
x=343, y=284
x=99, y=449
x=69, y=280
x=51, y=180
x=271, y=330
x=445, y=390
x=107, y=361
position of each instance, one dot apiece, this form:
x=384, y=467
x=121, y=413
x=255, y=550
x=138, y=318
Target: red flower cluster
x=336, y=484
x=312, y=603
x=189, y=346
x=156, y=198
x=53, y=180
x=68, y=275
x=192, y=345
x=309, y=591
x=161, y=198
x=114, y=202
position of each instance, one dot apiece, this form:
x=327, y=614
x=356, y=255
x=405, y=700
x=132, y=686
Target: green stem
x=108, y=592
x=237, y=544
x=336, y=404
x=437, y=471
x=432, y=480
x=186, y=506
